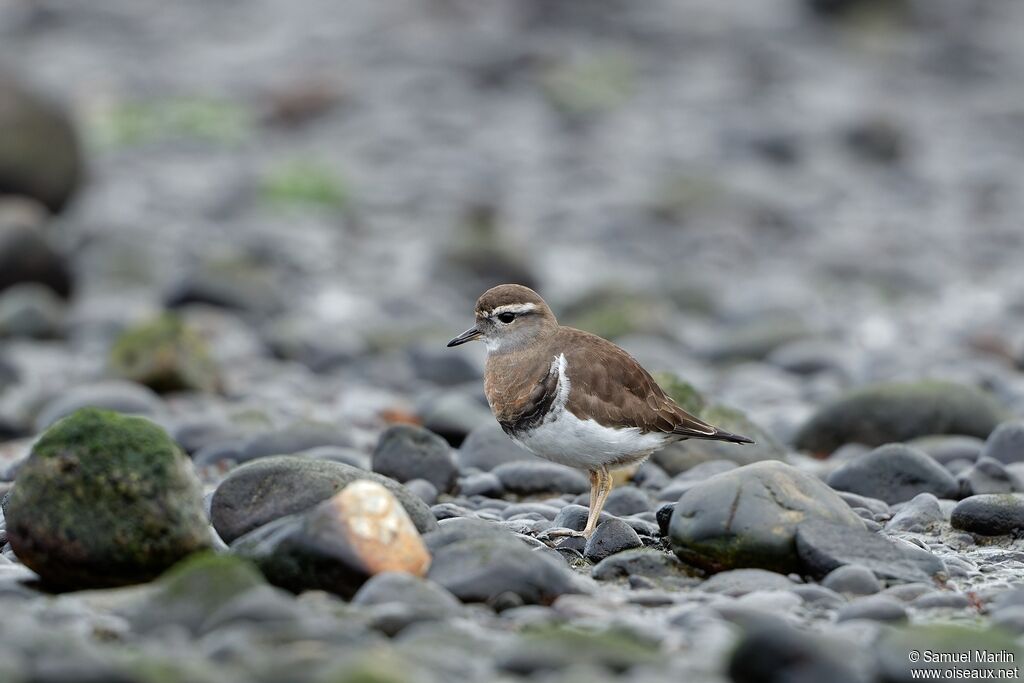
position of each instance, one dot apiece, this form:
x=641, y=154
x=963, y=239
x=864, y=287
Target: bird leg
x=600, y=487
x=596, y=482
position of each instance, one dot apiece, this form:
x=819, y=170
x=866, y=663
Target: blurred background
x=777, y=200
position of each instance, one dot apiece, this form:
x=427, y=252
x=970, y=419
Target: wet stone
x=852, y=579
x=611, y=537
x=991, y=514
x=873, y=608
x=537, y=477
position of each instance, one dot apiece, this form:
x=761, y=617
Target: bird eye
x=506, y=317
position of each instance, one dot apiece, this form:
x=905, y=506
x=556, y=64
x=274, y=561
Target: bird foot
x=559, y=532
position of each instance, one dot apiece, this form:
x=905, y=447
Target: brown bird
x=572, y=397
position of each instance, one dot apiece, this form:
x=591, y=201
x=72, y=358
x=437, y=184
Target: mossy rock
x=105, y=499
x=683, y=455
x=896, y=412
x=554, y=647
x=681, y=391
x=166, y=355
x=192, y=590
x=40, y=154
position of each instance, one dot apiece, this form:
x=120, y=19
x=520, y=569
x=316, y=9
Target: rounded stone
x=894, y=473
x=26, y=254
x=166, y=355
x=853, y=580
x=609, y=538
x=268, y=488
x=991, y=514
x=873, y=608
x=538, y=477
x=105, y=499
x=747, y=517
x=40, y=154
x=407, y=452
x=1006, y=443
x=895, y=412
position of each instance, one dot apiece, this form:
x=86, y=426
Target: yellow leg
x=601, y=486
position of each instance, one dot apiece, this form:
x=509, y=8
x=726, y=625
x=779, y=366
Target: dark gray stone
x=823, y=546
x=942, y=600
x=664, y=517
x=269, y=488
x=487, y=446
x=407, y=452
x=609, y=538
x=1006, y=443
x=873, y=608
x=627, y=500
x=991, y=514
x=484, y=569
x=463, y=528
x=646, y=562
x=747, y=517
x=852, y=579
x=782, y=654
x=575, y=517
x=537, y=477
x=894, y=473
x=398, y=600
x=890, y=413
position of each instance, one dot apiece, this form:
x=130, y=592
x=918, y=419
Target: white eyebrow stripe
x=513, y=308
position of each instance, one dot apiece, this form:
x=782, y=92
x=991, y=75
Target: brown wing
x=610, y=386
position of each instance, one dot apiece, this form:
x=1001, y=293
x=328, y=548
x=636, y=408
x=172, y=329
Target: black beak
x=467, y=336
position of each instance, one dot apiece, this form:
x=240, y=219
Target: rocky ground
x=259, y=222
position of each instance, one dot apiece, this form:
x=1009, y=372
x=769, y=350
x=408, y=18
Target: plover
x=572, y=397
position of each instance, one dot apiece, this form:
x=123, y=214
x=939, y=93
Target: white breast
x=564, y=438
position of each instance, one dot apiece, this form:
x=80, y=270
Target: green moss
x=206, y=119
x=590, y=85
x=304, y=183
x=165, y=355
x=612, y=312
x=615, y=649
x=681, y=391
x=105, y=499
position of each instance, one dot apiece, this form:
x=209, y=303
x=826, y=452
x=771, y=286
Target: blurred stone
x=682, y=392
x=359, y=532
x=166, y=355
x=891, y=413
x=785, y=655
x=26, y=254
x=988, y=475
x=748, y=517
x=483, y=569
x=122, y=397
x=1006, y=443
x=399, y=599
x=894, y=473
x=295, y=438
x=852, y=579
x=487, y=446
x=269, y=488
x=684, y=455
x=105, y=500
x=406, y=452
x=539, y=476
x=920, y=515
x=879, y=140
x=31, y=311
x=611, y=313
x=873, y=608
x=947, y=448
x=453, y=415
x=236, y=282
x=40, y=154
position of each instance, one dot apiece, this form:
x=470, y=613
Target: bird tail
x=721, y=435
